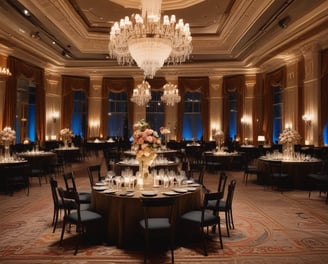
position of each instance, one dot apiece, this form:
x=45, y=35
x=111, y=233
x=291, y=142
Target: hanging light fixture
x=148, y=41
x=141, y=95
x=4, y=72
x=171, y=94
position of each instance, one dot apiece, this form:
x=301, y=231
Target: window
x=117, y=115
x=233, y=114
x=277, y=113
x=79, y=113
x=192, y=121
x=155, y=111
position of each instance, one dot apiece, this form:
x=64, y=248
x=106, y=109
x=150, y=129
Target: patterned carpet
x=270, y=227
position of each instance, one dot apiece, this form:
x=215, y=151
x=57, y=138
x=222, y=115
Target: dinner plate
x=101, y=183
x=100, y=188
x=189, y=181
x=109, y=191
x=194, y=185
x=148, y=193
x=170, y=193
x=180, y=190
x=191, y=189
x=129, y=194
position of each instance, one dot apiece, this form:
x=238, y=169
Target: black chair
x=212, y=162
x=84, y=197
x=226, y=206
x=79, y=217
x=277, y=177
x=94, y=174
x=15, y=177
x=58, y=203
x=205, y=218
x=250, y=168
x=318, y=181
x=153, y=224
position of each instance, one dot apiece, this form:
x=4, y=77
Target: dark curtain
x=192, y=84
x=70, y=84
x=19, y=69
x=300, y=81
x=276, y=78
x=324, y=93
x=233, y=84
x=258, y=106
x=115, y=85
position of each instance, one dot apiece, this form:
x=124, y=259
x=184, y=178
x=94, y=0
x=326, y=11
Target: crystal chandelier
x=171, y=94
x=149, y=41
x=141, y=95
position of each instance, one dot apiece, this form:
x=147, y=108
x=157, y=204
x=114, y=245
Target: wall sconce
x=55, y=116
x=307, y=119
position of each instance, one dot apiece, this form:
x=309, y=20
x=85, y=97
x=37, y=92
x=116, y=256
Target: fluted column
x=95, y=128
x=216, y=104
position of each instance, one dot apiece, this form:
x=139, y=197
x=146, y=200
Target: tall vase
x=289, y=151
x=7, y=155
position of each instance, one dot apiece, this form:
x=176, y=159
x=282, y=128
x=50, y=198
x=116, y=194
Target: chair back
x=69, y=197
x=231, y=191
x=70, y=181
x=275, y=167
x=149, y=203
x=211, y=196
x=54, y=185
x=94, y=174
x=222, y=182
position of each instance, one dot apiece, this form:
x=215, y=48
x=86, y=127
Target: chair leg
x=231, y=219
x=55, y=220
x=220, y=233
x=227, y=222
x=203, y=241
x=62, y=233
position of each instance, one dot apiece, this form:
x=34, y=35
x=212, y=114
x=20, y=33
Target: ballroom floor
x=270, y=227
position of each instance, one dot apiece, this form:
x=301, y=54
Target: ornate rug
x=270, y=227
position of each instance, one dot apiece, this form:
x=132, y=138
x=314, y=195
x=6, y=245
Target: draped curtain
x=193, y=84
x=21, y=69
x=233, y=84
x=276, y=78
x=300, y=81
x=69, y=85
x=324, y=92
x=115, y=85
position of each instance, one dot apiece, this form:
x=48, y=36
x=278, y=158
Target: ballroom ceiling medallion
x=171, y=94
x=141, y=94
x=149, y=41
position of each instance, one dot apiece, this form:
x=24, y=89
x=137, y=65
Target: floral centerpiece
x=145, y=143
x=7, y=137
x=66, y=135
x=165, y=132
x=288, y=138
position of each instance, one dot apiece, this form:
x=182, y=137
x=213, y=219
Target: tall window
x=233, y=114
x=155, y=110
x=117, y=115
x=277, y=113
x=192, y=121
x=79, y=116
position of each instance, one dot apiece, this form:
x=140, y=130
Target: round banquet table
x=297, y=170
x=122, y=213
x=225, y=158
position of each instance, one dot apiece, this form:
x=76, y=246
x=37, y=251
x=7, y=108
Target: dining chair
x=212, y=162
x=69, y=178
x=204, y=217
x=277, y=177
x=58, y=203
x=16, y=176
x=155, y=224
x=250, y=168
x=94, y=174
x=78, y=217
x=318, y=181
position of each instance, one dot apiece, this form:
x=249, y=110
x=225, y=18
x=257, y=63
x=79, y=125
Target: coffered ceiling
x=229, y=36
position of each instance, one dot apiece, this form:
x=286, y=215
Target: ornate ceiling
x=229, y=36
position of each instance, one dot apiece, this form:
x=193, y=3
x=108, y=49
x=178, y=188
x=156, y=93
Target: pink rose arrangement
x=145, y=141
x=289, y=135
x=7, y=135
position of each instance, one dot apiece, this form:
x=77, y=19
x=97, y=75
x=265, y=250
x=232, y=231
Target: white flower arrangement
x=164, y=130
x=66, y=134
x=7, y=135
x=289, y=135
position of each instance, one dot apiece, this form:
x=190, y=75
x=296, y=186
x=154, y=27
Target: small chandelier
x=4, y=71
x=141, y=95
x=171, y=94
x=148, y=41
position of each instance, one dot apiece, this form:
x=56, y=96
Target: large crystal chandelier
x=141, y=95
x=149, y=41
x=171, y=94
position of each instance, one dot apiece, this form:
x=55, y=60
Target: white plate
x=191, y=189
x=109, y=191
x=101, y=183
x=129, y=194
x=194, y=185
x=148, y=193
x=189, y=181
x=100, y=188
x=180, y=190
x=170, y=193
